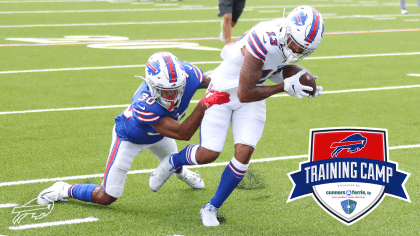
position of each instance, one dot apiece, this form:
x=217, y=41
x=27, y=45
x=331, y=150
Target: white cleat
x=208, y=215
x=53, y=193
x=161, y=174
x=404, y=11
x=222, y=35
x=191, y=178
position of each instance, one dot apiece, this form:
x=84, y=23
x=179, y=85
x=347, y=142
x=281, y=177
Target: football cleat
x=404, y=11
x=53, y=193
x=161, y=174
x=191, y=178
x=209, y=214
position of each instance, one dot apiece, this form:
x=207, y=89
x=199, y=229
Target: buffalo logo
x=36, y=211
x=353, y=143
x=348, y=206
x=299, y=18
x=153, y=68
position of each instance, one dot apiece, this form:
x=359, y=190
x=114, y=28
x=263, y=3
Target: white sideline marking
x=47, y=224
x=189, y=167
x=185, y=21
x=413, y=74
x=8, y=205
x=196, y=101
x=202, y=62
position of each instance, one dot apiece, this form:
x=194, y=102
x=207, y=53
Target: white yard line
x=188, y=21
x=7, y=205
x=190, y=167
x=196, y=101
x=413, y=74
x=55, y=223
x=203, y=62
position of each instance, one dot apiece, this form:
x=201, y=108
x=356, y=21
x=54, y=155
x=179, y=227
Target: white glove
x=318, y=92
x=293, y=87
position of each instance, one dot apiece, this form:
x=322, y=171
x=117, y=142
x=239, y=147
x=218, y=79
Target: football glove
x=318, y=92
x=293, y=87
x=213, y=97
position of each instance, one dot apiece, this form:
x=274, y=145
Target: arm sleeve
x=144, y=114
x=257, y=43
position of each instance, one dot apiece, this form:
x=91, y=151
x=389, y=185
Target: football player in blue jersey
x=260, y=54
x=150, y=122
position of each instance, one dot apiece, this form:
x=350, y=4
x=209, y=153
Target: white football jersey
x=263, y=42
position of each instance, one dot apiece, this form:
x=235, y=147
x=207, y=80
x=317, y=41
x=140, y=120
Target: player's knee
x=101, y=197
x=228, y=17
x=243, y=152
x=204, y=156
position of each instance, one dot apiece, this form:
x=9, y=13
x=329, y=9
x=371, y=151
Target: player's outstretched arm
x=206, y=80
x=250, y=75
x=171, y=128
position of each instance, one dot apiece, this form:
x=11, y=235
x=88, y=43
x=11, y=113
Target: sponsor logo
x=348, y=167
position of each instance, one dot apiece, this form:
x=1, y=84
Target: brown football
x=306, y=79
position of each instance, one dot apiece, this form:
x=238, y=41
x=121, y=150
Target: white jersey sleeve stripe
x=143, y=113
x=198, y=73
x=148, y=120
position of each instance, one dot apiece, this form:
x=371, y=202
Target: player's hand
x=213, y=97
x=318, y=92
x=293, y=87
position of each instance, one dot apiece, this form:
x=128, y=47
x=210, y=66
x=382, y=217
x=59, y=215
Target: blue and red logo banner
x=345, y=165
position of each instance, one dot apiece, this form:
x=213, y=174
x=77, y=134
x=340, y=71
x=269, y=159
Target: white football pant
x=121, y=156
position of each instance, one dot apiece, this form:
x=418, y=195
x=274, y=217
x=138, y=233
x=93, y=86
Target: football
x=306, y=79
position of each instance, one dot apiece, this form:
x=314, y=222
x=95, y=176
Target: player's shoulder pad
x=147, y=112
x=193, y=71
x=262, y=39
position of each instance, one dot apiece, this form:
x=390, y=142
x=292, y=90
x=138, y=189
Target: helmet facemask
x=166, y=79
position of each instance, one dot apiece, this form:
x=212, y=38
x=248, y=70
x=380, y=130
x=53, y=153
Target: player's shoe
x=53, y=193
x=222, y=35
x=209, y=214
x=404, y=11
x=191, y=178
x=161, y=174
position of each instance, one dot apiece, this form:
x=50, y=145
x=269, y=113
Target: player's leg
x=121, y=156
x=213, y=132
x=252, y=116
x=403, y=7
x=225, y=11
x=167, y=146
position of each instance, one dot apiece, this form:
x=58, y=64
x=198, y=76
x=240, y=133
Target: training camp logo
x=348, y=172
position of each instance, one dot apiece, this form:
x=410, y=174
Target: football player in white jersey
x=149, y=123
x=258, y=55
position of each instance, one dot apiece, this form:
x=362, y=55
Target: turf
x=52, y=144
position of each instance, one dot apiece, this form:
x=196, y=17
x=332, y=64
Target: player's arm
x=250, y=75
x=171, y=128
x=206, y=80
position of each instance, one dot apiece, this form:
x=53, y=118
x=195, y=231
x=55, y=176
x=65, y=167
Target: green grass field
x=58, y=99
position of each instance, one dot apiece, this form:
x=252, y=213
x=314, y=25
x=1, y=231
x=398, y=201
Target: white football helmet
x=305, y=28
x=166, y=79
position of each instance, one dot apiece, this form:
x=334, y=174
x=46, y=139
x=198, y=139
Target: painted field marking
x=202, y=62
x=196, y=101
x=413, y=74
x=189, y=167
x=55, y=223
x=6, y=205
x=186, y=21
x=84, y=40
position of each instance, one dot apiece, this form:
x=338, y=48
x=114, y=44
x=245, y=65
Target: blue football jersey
x=133, y=124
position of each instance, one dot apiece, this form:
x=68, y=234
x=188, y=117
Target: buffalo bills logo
x=353, y=143
x=299, y=19
x=153, y=68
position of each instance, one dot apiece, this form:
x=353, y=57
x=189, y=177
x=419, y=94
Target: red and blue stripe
x=315, y=26
x=111, y=160
x=171, y=68
x=236, y=172
x=257, y=46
